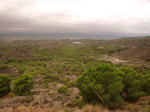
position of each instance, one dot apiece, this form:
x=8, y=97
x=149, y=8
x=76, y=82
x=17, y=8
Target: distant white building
x=77, y=42
x=116, y=60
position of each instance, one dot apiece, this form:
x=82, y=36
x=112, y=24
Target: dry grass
x=86, y=108
x=98, y=108
x=91, y=108
x=30, y=109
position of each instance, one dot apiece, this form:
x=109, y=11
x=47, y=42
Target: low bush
x=147, y=60
x=66, y=80
x=23, y=85
x=4, y=66
x=72, y=83
x=51, y=77
x=46, y=85
x=62, y=90
x=22, y=70
x=79, y=103
x=5, y=83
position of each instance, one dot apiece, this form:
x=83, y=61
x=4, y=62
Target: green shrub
x=68, y=73
x=62, y=90
x=5, y=83
x=22, y=70
x=55, y=84
x=107, y=85
x=11, y=94
x=66, y=80
x=146, y=83
x=23, y=85
x=72, y=83
x=118, y=64
x=132, y=84
x=46, y=85
x=3, y=66
x=51, y=77
x=101, y=85
x=79, y=103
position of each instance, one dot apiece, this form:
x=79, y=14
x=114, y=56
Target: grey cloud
x=143, y=2
x=13, y=19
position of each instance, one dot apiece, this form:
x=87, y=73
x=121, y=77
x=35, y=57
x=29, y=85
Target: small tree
x=62, y=90
x=101, y=85
x=146, y=83
x=23, y=85
x=132, y=84
x=5, y=83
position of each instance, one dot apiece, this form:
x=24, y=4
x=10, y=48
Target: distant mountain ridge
x=72, y=35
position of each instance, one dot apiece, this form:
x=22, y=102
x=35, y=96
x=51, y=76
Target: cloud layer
x=87, y=16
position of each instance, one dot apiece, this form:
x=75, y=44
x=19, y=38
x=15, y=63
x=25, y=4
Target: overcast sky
x=88, y=16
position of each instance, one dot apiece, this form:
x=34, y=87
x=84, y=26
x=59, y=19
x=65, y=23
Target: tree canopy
x=23, y=85
x=101, y=85
x=5, y=83
x=108, y=85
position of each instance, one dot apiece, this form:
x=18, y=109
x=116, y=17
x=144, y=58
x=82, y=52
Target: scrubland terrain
x=56, y=64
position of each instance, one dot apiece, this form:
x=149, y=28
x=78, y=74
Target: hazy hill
x=139, y=47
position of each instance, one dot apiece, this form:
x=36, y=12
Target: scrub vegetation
x=67, y=75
